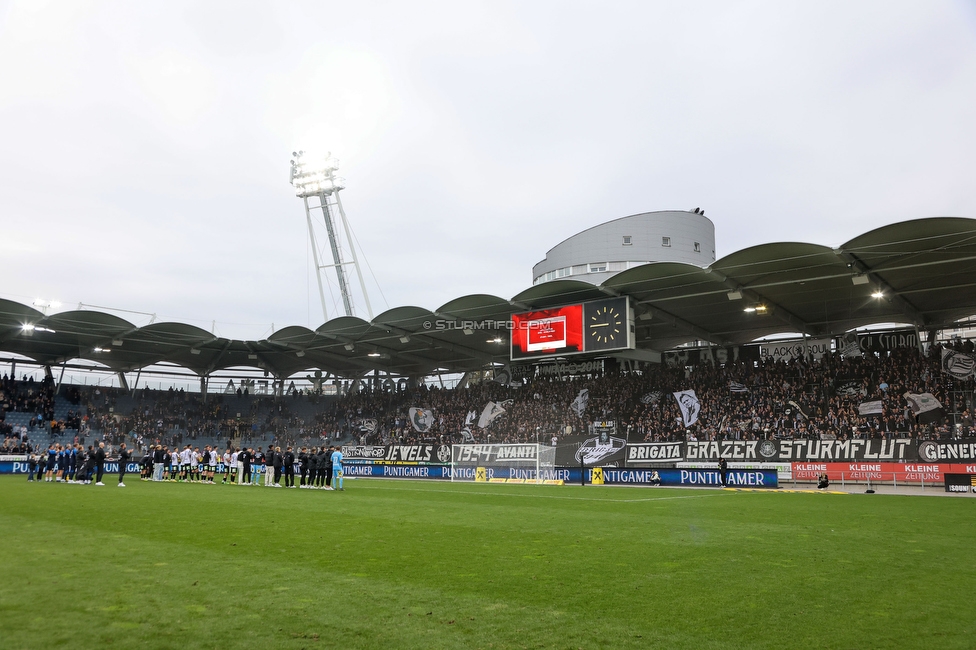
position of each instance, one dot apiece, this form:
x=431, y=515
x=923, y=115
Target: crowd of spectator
x=802, y=398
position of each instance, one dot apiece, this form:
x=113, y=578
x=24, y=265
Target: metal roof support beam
x=666, y=316
x=858, y=266
x=778, y=310
x=213, y=364
x=338, y=358
x=452, y=347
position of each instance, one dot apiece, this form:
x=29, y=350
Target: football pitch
x=411, y=564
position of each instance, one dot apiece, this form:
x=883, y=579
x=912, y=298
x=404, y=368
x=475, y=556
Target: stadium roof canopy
x=925, y=269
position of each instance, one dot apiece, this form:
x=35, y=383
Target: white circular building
x=602, y=251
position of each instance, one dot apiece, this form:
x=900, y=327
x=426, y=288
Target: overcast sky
x=145, y=145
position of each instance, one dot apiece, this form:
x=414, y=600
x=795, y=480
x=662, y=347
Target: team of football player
x=318, y=468
x=73, y=463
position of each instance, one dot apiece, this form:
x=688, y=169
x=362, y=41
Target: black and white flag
x=466, y=434
x=870, y=408
x=736, y=387
x=471, y=418
x=369, y=424
x=579, y=404
x=492, y=411
x=421, y=419
x=848, y=345
x=960, y=365
x=926, y=407
x=652, y=398
x=689, y=405
x=503, y=376
x=798, y=409
x=849, y=387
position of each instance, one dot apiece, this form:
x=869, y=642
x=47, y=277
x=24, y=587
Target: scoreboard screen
x=598, y=326
x=546, y=332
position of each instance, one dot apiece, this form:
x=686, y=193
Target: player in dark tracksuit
x=328, y=466
x=89, y=466
x=303, y=466
x=244, y=458
x=277, y=462
x=313, y=468
x=124, y=457
x=100, y=462
x=723, y=471
x=288, y=464
x=323, y=467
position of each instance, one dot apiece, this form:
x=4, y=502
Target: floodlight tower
x=315, y=177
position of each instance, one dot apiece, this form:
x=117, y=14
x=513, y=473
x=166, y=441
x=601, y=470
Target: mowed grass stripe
x=739, y=569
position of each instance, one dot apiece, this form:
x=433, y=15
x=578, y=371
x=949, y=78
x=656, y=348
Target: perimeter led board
x=598, y=326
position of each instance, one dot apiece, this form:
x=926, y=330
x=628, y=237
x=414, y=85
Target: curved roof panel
x=919, y=272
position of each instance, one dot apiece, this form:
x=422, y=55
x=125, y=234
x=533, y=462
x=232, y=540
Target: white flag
x=922, y=402
x=421, y=419
x=492, y=412
x=471, y=417
x=579, y=404
x=466, y=435
x=870, y=408
x=689, y=405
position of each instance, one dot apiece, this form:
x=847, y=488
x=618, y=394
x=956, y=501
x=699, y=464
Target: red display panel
x=547, y=332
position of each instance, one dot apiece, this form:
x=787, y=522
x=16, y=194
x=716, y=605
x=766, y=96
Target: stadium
x=579, y=413
x=791, y=371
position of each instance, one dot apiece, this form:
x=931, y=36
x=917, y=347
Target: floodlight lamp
x=300, y=353
x=860, y=279
x=734, y=295
x=117, y=342
x=349, y=346
x=761, y=308
x=194, y=351
x=467, y=331
x=878, y=294
x=97, y=350
x=404, y=339
x=252, y=357
x=373, y=354
x=749, y=310
x=27, y=327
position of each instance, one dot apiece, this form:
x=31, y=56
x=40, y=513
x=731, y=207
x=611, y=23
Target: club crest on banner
x=960, y=365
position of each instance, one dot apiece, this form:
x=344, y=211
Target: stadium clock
x=605, y=324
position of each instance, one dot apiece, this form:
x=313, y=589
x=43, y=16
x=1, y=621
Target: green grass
x=404, y=564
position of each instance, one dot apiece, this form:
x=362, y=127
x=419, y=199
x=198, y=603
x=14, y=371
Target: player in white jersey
x=174, y=465
x=185, y=457
x=227, y=465
x=235, y=466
